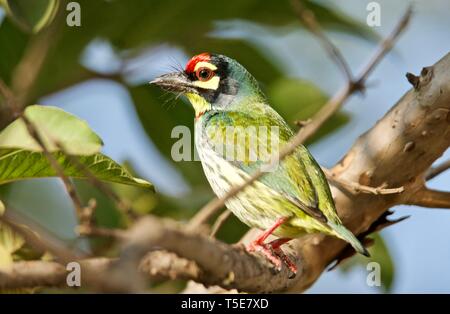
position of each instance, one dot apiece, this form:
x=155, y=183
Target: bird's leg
x=272, y=250
x=259, y=241
x=275, y=244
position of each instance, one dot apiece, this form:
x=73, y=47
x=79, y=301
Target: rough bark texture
x=397, y=151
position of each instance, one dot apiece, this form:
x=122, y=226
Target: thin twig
x=219, y=222
x=435, y=171
x=331, y=107
x=104, y=188
x=308, y=19
x=43, y=241
x=38, y=237
x=16, y=108
x=355, y=187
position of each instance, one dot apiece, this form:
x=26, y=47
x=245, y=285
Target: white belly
x=253, y=206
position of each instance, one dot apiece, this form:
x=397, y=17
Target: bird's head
x=212, y=81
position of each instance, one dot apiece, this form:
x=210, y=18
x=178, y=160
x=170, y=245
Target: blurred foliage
x=31, y=16
x=11, y=51
x=10, y=242
x=380, y=254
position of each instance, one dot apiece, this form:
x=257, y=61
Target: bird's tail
x=343, y=233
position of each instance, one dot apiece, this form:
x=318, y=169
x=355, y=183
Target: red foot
x=289, y=264
x=266, y=250
x=272, y=250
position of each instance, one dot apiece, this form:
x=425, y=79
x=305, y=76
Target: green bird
x=235, y=132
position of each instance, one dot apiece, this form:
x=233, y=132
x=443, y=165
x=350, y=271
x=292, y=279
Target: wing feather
x=291, y=178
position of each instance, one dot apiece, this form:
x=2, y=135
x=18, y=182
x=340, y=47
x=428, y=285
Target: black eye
x=204, y=74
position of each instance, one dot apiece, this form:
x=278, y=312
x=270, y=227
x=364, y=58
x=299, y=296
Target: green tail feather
x=343, y=233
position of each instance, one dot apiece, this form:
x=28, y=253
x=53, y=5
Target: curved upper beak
x=175, y=82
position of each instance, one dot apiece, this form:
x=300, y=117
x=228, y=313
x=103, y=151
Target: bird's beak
x=175, y=82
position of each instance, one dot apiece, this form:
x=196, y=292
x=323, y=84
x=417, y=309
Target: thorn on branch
x=414, y=80
x=418, y=81
x=302, y=123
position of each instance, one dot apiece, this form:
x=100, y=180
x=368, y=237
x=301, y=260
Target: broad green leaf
x=380, y=254
x=299, y=100
x=55, y=126
x=19, y=164
x=33, y=15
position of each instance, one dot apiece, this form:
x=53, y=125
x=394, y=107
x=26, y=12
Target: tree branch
x=219, y=222
x=224, y=265
x=429, y=198
x=99, y=279
x=435, y=171
x=17, y=110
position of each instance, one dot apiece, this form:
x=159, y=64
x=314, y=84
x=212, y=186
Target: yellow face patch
x=199, y=103
x=212, y=83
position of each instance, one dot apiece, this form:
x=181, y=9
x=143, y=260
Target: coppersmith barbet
x=288, y=201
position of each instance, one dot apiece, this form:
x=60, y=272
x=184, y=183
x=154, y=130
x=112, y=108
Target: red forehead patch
x=190, y=66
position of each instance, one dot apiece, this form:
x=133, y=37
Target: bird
x=293, y=197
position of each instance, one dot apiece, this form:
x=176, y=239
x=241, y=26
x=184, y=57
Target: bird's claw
x=266, y=250
x=275, y=255
x=286, y=260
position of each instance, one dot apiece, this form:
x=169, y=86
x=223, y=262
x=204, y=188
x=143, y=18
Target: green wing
x=298, y=177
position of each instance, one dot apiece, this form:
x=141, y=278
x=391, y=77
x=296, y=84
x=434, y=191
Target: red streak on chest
x=199, y=115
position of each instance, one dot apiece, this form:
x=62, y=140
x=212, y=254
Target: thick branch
x=429, y=198
x=221, y=264
x=397, y=151
x=435, y=171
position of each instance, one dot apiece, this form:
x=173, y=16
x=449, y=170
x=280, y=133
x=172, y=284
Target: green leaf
x=380, y=254
x=298, y=100
x=31, y=16
x=55, y=126
x=19, y=164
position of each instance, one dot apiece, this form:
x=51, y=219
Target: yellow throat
x=199, y=103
